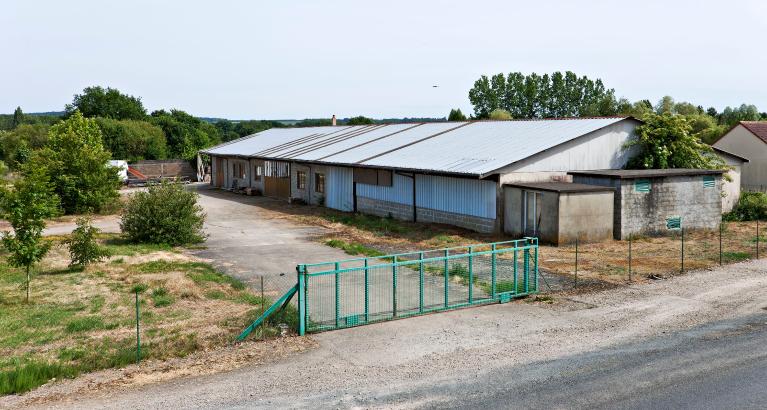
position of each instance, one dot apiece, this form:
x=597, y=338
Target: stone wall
x=384, y=208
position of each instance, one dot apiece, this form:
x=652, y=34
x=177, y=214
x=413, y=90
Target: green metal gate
x=359, y=291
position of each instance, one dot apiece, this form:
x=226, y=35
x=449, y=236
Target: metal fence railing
x=358, y=291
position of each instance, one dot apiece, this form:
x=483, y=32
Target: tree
x=77, y=165
x=666, y=141
x=185, y=134
x=133, y=140
x=18, y=117
x=17, y=145
x=358, y=120
x=165, y=213
x=499, y=114
x=536, y=96
x=456, y=115
x=107, y=103
x=731, y=116
x=26, y=206
x=83, y=248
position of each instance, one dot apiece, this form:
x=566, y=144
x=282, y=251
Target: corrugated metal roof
x=475, y=148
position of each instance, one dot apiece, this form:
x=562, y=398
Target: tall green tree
x=17, y=145
x=456, y=115
x=666, y=141
x=77, y=165
x=133, y=140
x=745, y=112
x=185, y=134
x=26, y=206
x=18, y=117
x=359, y=120
x=542, y=96
x=108, y=103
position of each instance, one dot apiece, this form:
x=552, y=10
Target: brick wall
x=384, y=208
x=165, y=168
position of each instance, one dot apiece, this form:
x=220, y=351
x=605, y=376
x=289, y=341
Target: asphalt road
x=723, y=365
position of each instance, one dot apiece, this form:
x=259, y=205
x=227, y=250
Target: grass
x=80, y=321
x=735, y=256
x=119, y=246
x=353, y=248
x=374, y=224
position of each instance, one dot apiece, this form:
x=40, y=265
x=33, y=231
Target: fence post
x=471, y=274
x=301, y=299
x=420, y=284
x=630, y=235
x=757, y=239
x=535, y=265
x=493, y=282
x=682, y=231
x=338, y=294
x=138, y=334
x=516, y=290
x=394, y=285
x=367, y=292
x=447, y=277
x=721, y=226
x=526, y=267
x=576, y=264
x=263, y=306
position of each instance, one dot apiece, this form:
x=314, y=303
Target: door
x=531, y=213
x=219, y=172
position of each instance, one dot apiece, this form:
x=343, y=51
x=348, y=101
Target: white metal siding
x=401, y=191
x=338, y=185
x=456, y=195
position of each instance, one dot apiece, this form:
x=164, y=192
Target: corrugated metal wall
x=457, y=195
x=339, y=189
x=401, y=191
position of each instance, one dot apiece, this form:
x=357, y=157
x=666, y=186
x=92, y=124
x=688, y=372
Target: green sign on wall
x=674, y=222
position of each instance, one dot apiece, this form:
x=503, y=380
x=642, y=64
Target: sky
x=312, y=59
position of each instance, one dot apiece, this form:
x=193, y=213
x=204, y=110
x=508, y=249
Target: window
x=642, y=185
x=531, y=212
x=257, y=171
x=369, y=176
x=709, y=181
x=319, y=183
x=300, y=180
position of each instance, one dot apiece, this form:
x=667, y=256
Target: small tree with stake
x=26, y=206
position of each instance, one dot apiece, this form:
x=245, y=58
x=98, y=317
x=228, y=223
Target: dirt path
x=469, y=347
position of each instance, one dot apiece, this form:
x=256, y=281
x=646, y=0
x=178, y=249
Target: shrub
x=165, y=214
x=751, y=206
x=83, y=248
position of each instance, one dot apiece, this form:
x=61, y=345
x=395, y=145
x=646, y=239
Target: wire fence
x=649, y=257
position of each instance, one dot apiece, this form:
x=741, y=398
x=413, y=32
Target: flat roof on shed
x=647, y=173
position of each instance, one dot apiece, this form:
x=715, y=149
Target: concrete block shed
x=559, y=212
x=648, y=201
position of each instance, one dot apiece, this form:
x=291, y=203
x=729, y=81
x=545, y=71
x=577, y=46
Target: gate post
x=300, y=269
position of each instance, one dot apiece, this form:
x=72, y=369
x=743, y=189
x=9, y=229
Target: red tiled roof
x=758, y=128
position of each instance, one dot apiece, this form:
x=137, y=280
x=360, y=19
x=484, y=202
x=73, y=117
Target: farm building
x=732, y=184
x=447, y=172
x=650, y=201
x=748, y=139
x=559, y=212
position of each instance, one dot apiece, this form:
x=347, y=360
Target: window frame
x=300, y=179
x=319, y=182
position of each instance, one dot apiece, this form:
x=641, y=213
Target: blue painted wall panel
x=457, y=195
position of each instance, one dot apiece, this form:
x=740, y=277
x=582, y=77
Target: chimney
x=334, y=120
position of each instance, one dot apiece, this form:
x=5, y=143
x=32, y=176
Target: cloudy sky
x=298, y=59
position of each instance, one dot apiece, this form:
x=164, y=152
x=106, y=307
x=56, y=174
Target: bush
x=750, y=207
x=165, y=214
x=83, y=248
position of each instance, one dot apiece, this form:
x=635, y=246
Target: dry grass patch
x=84, y=320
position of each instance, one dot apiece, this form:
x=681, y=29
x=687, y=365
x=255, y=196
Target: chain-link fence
x=649, y=257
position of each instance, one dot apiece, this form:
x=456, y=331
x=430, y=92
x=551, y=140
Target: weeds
x=353, y=248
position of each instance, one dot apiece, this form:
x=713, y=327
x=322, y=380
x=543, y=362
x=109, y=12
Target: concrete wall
x=587, y=216
x=548, y=227
x=731, y=188
x=741, y=141
x=645, y=213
